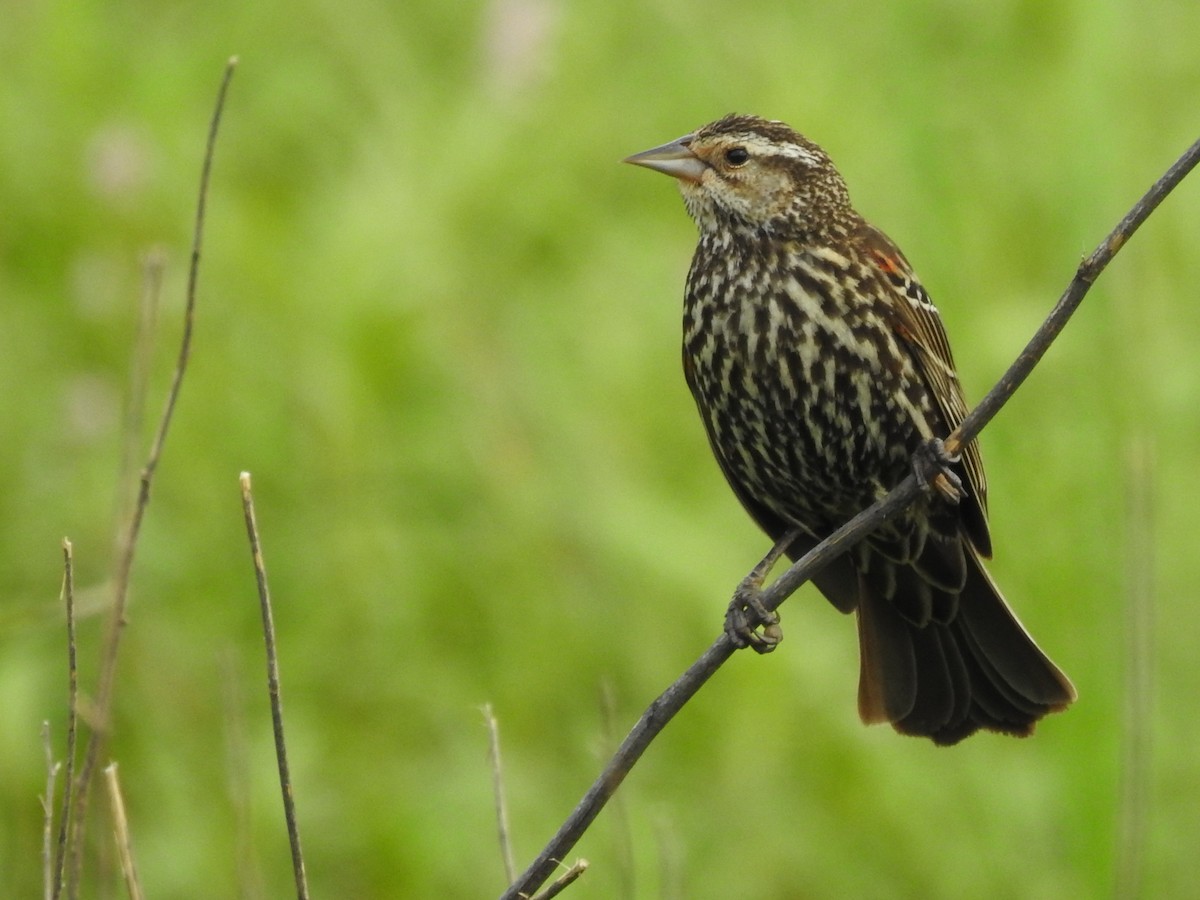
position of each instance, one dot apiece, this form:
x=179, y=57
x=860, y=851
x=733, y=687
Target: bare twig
x=285, y=779
x=506, y=851
x=64, y=822
x=664, y=708
x=1135, y=778
x=48, y=814
x=121, y=833
x=116, y=622
x=563, y=881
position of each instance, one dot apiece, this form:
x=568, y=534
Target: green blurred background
x=438, y=322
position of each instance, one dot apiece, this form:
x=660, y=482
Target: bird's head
x=750, y=174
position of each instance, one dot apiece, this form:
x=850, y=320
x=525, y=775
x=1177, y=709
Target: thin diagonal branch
x=116, y=623
x=1089, y=270
x=664, y=708
x=268, y=626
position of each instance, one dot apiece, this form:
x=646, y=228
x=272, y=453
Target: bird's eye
x=737, y=156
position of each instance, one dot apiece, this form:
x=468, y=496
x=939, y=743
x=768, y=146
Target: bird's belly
x=815, y=431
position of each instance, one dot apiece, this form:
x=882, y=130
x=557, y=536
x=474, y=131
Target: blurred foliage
x=438, y=322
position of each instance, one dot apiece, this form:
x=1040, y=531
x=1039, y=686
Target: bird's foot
x=747, y=613
x=932, y=466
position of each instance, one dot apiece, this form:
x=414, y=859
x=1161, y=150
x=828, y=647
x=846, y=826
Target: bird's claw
x=932, y=466
x=747, y=613
x=745, y=616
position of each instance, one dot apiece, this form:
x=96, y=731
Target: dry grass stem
x=153, y=267
x=120, y=825
x=622, y=826
x=506, y=851
x=48, y=814
x=563, y=881
x=64, y=816
x=268, y=627
x=128, y=543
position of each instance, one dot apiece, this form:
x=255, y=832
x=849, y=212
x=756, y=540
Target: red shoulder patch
x=888, y=264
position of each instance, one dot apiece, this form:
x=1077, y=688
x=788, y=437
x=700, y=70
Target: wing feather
x=916, y=320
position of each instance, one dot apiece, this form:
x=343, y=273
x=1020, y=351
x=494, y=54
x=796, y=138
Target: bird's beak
x=675, y=159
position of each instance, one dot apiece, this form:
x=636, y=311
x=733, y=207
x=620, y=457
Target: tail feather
x=1007, y=646
x=887, y=683
x=947, y=680
x=943, y=687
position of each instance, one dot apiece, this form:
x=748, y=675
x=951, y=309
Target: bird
x=823, y=375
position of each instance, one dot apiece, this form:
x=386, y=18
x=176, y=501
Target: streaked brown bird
x=821, y=368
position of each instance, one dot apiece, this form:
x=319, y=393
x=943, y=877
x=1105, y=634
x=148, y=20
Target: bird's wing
x=916, y=320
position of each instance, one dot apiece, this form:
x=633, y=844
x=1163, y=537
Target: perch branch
x=664, y=708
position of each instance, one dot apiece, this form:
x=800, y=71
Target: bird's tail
x=947, y=679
